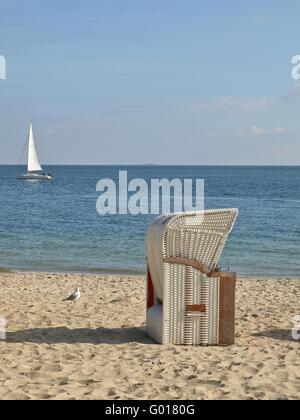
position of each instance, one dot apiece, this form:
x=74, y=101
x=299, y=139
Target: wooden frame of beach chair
x=188, y=301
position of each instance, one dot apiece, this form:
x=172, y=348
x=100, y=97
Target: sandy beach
x=98, y=348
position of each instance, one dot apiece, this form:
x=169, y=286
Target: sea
x=54, y=226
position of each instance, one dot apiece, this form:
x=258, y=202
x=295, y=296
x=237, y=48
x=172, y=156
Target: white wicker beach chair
x=188, y=302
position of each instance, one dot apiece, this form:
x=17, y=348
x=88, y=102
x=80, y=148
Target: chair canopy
x=199, y=236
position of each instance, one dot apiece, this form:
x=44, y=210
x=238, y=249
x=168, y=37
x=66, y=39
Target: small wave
x=86, y=270
x=4, y=270
x=108, y=271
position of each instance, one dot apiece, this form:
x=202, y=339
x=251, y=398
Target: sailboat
x=34, y=169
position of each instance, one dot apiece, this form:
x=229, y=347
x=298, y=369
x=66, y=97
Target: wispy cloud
x=256, y=131
x=247, y=103
x=235, y=104
x=251, y=131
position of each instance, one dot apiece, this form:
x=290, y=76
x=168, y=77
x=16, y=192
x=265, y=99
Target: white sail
x=33, y=160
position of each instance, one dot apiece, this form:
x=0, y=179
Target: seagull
x=74, y=296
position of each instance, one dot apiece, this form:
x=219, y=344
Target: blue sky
x=168, y=82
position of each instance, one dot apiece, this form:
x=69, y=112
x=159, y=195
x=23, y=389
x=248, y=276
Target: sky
x=137, y=81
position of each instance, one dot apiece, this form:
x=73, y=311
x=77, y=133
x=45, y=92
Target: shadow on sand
x=82, y=335
x=282, y=335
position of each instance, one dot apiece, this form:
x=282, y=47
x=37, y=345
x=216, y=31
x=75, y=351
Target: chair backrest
x=198, y=236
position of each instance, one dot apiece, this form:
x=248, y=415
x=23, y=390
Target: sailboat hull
x=35, y=176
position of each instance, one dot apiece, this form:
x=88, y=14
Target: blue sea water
x=53, y=226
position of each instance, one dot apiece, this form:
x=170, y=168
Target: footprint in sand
x=51, y=368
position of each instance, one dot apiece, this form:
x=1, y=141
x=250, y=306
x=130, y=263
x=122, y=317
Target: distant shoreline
x=159, y=165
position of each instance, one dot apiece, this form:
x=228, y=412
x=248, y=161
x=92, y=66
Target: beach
x=97, y=348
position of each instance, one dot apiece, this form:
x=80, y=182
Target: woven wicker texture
x=198, y=236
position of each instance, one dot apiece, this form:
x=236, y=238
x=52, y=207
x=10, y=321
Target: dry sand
x=98, y=348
